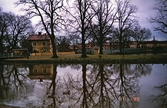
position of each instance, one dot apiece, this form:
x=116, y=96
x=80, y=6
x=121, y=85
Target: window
x=34, y=70
x=44, y=70
x=44, y=43
x=34, y=44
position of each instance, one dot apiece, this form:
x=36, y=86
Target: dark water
x=84, y=85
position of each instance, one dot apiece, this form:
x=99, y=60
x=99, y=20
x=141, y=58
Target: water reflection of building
x=41, y=71
x=134, y=98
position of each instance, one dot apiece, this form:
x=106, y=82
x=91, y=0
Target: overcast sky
x=145, y=10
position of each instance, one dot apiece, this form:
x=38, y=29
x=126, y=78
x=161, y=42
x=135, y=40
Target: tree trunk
x=120, y=46
x=54, y=47
x=52, y=35
x=101, y=40
x=101, y=48
x=83, y=42
x=83, y=49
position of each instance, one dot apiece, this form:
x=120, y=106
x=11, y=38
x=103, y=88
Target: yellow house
x=40, y=43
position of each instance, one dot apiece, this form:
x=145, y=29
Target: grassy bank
x=76, y=58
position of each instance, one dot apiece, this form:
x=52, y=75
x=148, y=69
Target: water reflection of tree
x=60, y=90
x=127, y=82
x=162, y=97
x=99, y=85
x=102, y=86
x=128, y=87
x=3, y=86
x=85, y=102
x=73, y=66
x=52, y=87
x=141, y=69
x=79, y=94
x=12, y=79
x=116, y=82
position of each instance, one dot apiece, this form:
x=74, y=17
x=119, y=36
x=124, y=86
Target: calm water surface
x=84, y=85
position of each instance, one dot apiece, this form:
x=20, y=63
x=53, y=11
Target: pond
x=84, y=85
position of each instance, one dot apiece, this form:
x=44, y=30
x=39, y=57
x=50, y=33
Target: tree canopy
x=13, y=30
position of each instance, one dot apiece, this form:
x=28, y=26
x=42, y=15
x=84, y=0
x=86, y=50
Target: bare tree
x=103, y=21
x=3, y=29
x=19, y=27
x=74, y=39
x=81, y=22
x=49, y=13
x=13, y=29
x=161, y=18
x=141, y=34
x=125, y=13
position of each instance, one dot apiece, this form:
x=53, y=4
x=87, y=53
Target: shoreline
x=73, y=59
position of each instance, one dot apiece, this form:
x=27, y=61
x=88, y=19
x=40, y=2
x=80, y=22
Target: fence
x=12, y=55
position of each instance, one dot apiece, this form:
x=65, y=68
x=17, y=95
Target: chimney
x=39, y=33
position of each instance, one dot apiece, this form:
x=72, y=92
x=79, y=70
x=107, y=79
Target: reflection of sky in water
x=62, y=72
x=34, y=93
x=157, y=77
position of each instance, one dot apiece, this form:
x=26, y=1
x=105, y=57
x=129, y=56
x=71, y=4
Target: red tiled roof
x=38, y=37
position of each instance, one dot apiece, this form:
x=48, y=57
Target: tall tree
x=13, y=29
x=3, y=28
x=125, y=14
x=19, y=28
x=49, y=13
x=81, y=21
x=161, y=18
x=102, y=21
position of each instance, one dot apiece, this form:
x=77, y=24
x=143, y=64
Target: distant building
x=143, y=45
x=20, y=52
x=40, y=43
x=151, y=44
